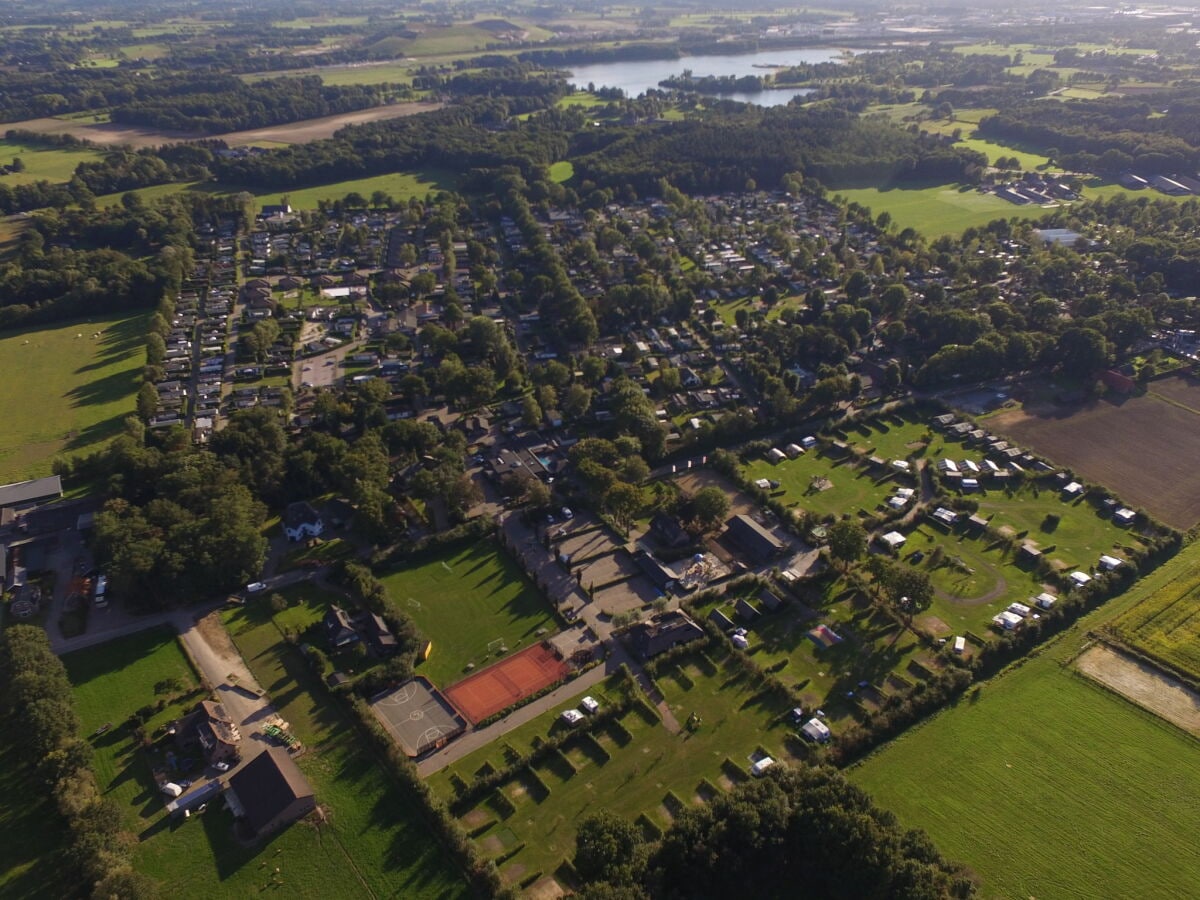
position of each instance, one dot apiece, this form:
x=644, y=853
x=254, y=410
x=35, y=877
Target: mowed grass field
x=935, y=210
x=463, y=599
x=66, y=391
x=1047, y=785
x=1166, y=626
x=375, y=842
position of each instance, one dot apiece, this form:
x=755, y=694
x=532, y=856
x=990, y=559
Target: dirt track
x=1144, y=685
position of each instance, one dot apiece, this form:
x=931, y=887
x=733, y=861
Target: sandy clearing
x=1145, y=685
x=107, y=134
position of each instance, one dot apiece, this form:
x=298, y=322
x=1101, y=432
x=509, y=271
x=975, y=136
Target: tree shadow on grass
x=109, y=389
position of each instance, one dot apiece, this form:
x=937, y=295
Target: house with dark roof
x=746, y=611
x=338, y=628
x=669, y=532
x=754, y=540
x=660, y=576
x=301, y=521
x=379, y=637
x=662, y=632
x=721, y=620
x=269, y=793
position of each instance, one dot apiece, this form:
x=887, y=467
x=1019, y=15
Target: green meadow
x=67, y=390
x=1049, y=786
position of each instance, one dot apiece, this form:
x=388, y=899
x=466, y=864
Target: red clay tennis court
x=498, y=687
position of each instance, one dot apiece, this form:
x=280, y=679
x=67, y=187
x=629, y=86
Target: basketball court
x=417, y=716
x=509, y=681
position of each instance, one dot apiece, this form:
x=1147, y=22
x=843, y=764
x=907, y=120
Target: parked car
x=255, y=587
x=590, y=705
x=567, y=514
x=572, y=717
x=221, y=766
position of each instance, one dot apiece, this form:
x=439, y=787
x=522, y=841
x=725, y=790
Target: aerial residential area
x=474, y=450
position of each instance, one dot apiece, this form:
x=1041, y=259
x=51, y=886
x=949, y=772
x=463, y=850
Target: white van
x=100, y=592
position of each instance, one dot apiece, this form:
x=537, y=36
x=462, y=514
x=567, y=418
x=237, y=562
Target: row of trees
x=39, y=718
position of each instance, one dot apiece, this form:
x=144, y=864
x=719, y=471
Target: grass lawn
x=873, y=648
x=463, y=599
x=937, y=209
x=637, y=769
x=1043, y=774
x=854, y=489
x=66, y=394
x=375, y=843
x=889, y=437
x=43, y=163
x=400, y=185
x=562, y=171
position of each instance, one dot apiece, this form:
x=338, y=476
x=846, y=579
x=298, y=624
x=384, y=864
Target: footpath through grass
x=66, y=390
x=464, y=599
x=1047, y=785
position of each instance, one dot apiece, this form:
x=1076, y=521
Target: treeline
x=800, y=831
x=39, y=717
x=716, y=84
x=1109, y=135
x=749, y=144
x=462, y=137
x=234, y=105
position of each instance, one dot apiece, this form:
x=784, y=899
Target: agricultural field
x=672, y=771
x=69, y=389
x=56, y=164
x=464, y=599
x=1045, y=767
x=1166, y=625
x=379, y=846
x=1140, y=447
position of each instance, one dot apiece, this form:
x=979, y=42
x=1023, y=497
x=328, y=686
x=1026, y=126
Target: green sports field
x=1050, y=787
x=938, y=209
x=66, y=390
x=465, y=598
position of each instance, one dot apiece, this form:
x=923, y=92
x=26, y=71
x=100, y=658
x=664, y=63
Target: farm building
x=26, y=494
x=816, y=730
x=662, y=632
x=757, y=542
x=269, y=793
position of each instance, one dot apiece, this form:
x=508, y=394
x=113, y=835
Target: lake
x=635, y=77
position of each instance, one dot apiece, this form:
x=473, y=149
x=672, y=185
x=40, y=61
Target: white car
x=255, y=587
x=590, y=706
x=572, y=717
x=221, y=766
